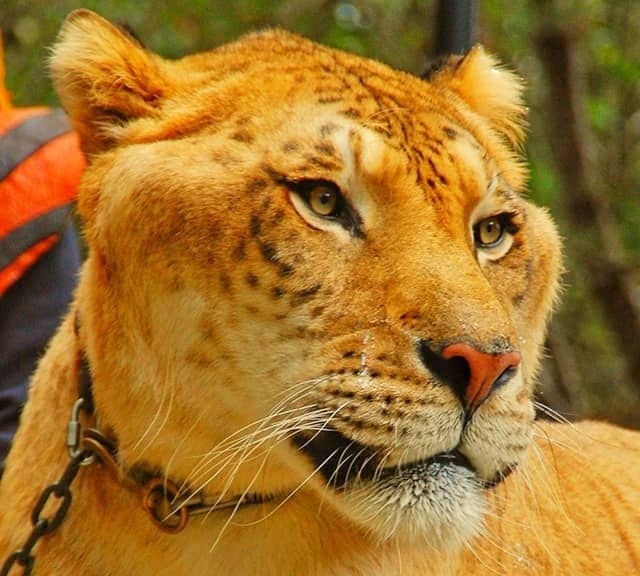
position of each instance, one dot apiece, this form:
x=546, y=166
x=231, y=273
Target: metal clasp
x=74, y=434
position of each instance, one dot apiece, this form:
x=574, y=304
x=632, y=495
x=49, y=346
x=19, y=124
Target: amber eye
x=324, y=200
x=489, y=232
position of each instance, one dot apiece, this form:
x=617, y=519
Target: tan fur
x=221, y=317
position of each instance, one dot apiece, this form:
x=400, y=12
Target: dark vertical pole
x=455, y=26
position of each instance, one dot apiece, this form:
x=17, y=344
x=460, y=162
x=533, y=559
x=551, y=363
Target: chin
x=439, y=502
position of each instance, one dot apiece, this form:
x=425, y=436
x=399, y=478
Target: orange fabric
x=22, y=263
x=44, y=181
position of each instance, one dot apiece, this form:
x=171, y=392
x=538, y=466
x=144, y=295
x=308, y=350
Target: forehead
x=320, y=142
x=268, y=73
x=284, y=96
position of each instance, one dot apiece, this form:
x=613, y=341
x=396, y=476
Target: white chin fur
x=440, y=505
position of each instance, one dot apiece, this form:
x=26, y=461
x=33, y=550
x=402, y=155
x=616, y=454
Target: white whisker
x=293, y=492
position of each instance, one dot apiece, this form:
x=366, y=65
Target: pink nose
x=485, y=371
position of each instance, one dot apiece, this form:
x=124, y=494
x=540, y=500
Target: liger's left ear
x=488, y=88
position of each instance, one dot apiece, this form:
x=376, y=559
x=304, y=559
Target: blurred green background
x=581, y=61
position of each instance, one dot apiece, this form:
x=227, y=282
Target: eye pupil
x=325, y=198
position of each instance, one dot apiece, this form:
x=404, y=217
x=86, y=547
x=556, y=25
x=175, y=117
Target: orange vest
x=40, y=168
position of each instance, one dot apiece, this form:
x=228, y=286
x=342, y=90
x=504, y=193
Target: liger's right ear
x=105, y=79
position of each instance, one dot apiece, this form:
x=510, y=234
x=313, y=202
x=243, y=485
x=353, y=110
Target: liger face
x=336, y=261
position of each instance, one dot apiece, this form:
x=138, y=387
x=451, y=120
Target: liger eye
x=323, y=197
x=324, y=200
x=490, y=232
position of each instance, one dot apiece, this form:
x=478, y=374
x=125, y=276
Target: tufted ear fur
x=488, y=89
x=104, y=78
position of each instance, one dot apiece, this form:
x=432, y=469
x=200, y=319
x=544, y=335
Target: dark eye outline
x=343, y=213
x=507, y=224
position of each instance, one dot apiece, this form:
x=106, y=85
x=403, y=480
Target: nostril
x=454, y=372
x=457, y=373
x=505, y=376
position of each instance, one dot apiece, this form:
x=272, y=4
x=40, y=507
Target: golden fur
x=228, y=324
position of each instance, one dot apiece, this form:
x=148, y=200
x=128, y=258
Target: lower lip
x=454, y=458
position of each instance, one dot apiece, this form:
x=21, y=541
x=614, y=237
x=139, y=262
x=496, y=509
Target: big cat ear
x=104, y=78
x=488, y=89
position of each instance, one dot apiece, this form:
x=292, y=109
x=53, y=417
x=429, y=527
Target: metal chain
x=42, y=526
x=61, y=490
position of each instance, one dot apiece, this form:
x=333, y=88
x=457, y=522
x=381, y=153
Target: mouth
x=344, y=462
x=442, y=460
x=439, y=499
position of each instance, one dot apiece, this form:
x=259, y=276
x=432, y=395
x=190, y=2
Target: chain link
x=42, y=526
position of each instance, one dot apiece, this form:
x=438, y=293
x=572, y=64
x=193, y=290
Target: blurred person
x=40, y=168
